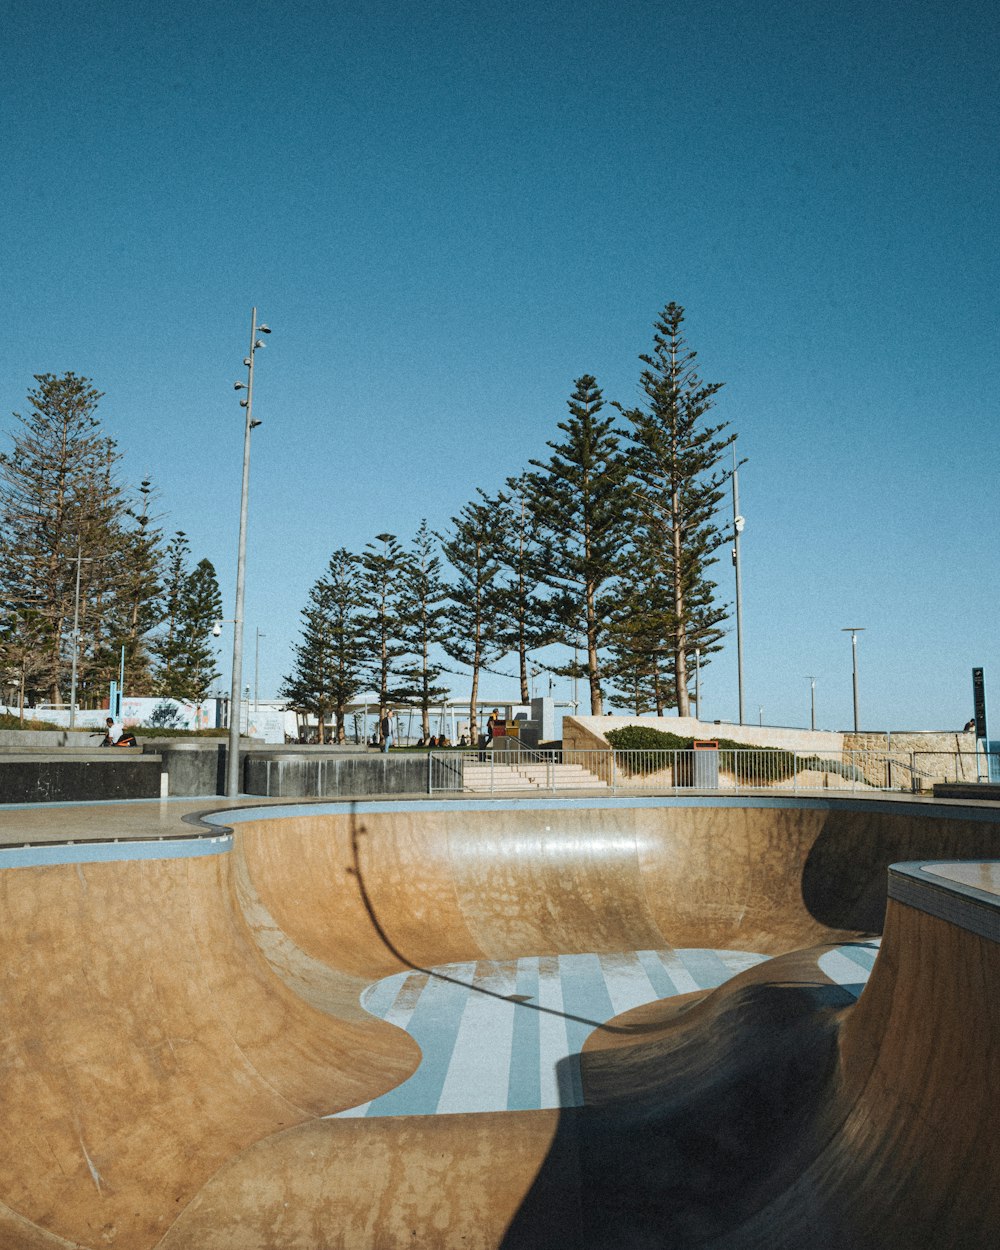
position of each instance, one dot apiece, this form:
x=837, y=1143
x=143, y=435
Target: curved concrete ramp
x=174, y=1030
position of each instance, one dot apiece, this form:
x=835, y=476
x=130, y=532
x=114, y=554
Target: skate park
x=693, y=1020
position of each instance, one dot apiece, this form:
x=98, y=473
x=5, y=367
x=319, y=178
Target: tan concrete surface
x=173, y=1030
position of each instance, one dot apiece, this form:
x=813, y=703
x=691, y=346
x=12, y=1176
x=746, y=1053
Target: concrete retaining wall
x=78, y=779
x=291, y=774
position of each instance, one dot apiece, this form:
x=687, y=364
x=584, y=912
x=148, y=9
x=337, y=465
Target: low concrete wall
x=44, y=739
x=78, y=778
x=194, y=767
x=294, y=774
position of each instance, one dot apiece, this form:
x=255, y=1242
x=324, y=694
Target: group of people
x=386, y=736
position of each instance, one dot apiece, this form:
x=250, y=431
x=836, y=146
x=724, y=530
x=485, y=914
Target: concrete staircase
x=529, y=777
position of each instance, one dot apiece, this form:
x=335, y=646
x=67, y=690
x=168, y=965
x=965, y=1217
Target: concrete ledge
x=986, y=791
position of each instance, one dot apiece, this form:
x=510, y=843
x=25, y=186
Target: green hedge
x=780, y=766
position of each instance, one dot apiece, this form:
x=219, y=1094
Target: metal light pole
x=738, y=523
x=854, y=630
x=697, y=683
x=80, y=560
x=76, y=637
x=256, y=673
x=812, y=701
x=233, y=755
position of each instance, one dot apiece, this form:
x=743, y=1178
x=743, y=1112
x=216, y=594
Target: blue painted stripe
x=887, y=806
x=524, y=1089
x=659, y=977
x=38, y=856
x=585, y=995
x=434, y=1026
x=863, y=956
x=706, y=967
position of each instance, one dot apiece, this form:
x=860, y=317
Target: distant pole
x=738, y=523
x=76, y=636
x=854, y=630
x=812, y=702
x=256, y=672
x=698, y=683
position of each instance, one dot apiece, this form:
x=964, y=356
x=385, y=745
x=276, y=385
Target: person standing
x=388, y=730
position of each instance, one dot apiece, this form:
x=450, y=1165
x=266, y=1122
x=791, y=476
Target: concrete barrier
x=292, y=773
x=78, y=777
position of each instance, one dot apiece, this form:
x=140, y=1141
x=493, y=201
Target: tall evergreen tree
x=580, y=499
x=472, y=548
x=384, y=566
x=642, y=664
x=523, y=622
x=59, y=500
x=674, y=459
x=137, y=609
x=187, y=664
x=169, y=646
x=425, y=613
x=201, y=607
x=329, y=661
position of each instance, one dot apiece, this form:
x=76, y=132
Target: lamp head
x=217, y=629
x=263, y=329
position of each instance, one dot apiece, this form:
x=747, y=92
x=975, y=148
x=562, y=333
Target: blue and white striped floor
x=507, y=1036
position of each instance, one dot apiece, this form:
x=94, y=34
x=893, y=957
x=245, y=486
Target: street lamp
x=256, y=672
x=854, y=630
x=233, y=756
x=739, y=521
x=80, y=560
x=697, y=683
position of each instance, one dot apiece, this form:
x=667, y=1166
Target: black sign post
x=979, y=702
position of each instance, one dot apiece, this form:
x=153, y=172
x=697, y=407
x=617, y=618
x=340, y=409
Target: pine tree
x=383, y=569
x=472, y=549
x=425, y=613
x=674, y=459
x=59, y=501
x=522, y=620
x=329, y=661
x=137, y=609
x=580, y=500
x=169, y=646
x=187, y=664
x=201, y=607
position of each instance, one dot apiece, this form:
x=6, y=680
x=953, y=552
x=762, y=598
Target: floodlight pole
x=738, y=523
x=76, y=635
x=854, y=630
x=235, y=704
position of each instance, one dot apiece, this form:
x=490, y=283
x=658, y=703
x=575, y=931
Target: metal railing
x=524, y=770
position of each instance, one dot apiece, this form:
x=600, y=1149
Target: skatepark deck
x=182, y=1016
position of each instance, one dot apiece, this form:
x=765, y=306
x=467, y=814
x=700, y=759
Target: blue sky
x=447, y=212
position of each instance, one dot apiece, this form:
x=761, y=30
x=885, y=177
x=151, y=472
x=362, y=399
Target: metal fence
x=513, y=770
